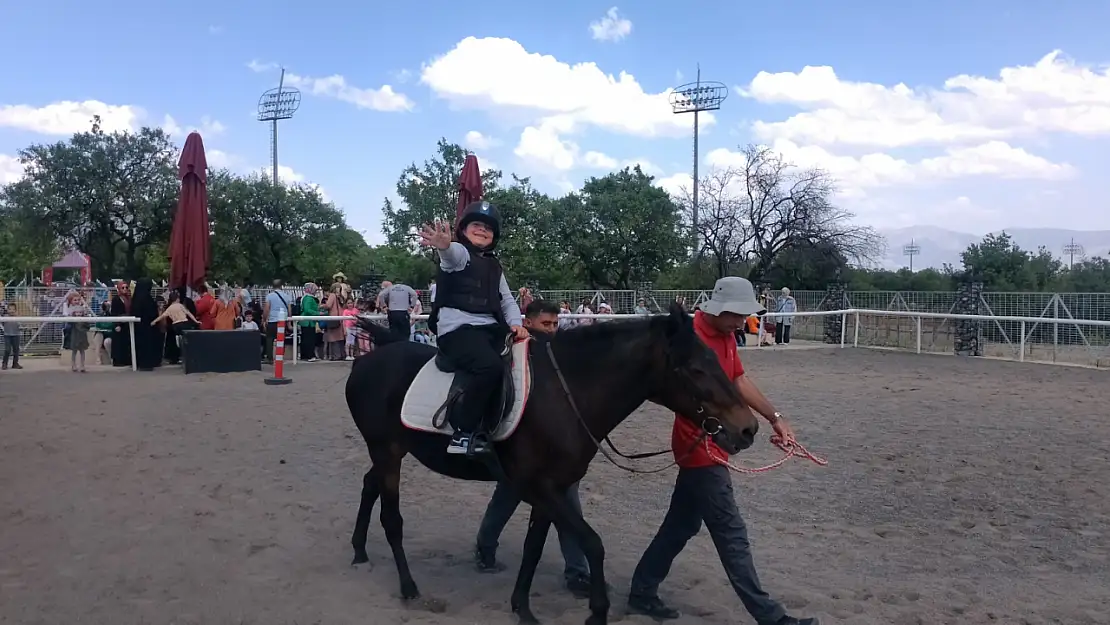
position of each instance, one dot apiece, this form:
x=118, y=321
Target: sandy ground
x=958, y=491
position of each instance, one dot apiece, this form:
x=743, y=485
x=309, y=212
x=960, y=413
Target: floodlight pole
x=910, y=251
x=694, y=98
x=1072, y=249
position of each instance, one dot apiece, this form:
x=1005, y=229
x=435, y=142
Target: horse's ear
x=680, y=332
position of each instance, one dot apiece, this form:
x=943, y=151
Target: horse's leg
x=569, y=520
x=538, y=525
x=370, y=490
x=392, y=522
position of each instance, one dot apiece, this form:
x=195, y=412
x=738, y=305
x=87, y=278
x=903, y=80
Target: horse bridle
x=710, y=426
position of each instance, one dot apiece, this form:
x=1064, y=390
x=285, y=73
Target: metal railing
x=61, y=321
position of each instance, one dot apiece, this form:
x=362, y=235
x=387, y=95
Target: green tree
x=999, y=263
x=428, y=193
x=289, y=232
x=108, y=195
x=27, y=244
x=620, y=229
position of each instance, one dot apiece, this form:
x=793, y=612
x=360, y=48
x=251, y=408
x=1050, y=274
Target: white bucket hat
x=734, y=295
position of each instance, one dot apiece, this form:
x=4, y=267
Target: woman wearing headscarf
x=149, y=340
x=335, y=334
x=310, y=305
x=121, y=333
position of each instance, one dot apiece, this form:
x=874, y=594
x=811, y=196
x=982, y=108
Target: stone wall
x=836, y=298
x=968, y=337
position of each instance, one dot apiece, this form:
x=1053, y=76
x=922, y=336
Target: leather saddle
x=502, y=402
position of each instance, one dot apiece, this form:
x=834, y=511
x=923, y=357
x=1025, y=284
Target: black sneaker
x=485, y=560
x=652, y=606
x=460, y=444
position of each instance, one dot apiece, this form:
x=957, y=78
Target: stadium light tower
x=274, y=105
x=1073, y=249
x=696, y=97
x=911, y=250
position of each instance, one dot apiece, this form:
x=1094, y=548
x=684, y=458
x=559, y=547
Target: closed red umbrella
x=470, y=185
x=190, y=255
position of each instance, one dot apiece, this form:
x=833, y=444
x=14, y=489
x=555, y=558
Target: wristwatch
x=775, y=418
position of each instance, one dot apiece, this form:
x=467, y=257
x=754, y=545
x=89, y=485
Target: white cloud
x=208, y=127
x=68, y=117
x=542, y=147
x=497, y=73
x=11, y=169
x=383, y=99
x=477, y=141
x=676, y=184
x=500, y=75
x=612, y=27
x=287, y=176
x=857, y=174
x=1053, y=95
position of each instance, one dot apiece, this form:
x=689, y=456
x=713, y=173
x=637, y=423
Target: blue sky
x=1023, y=149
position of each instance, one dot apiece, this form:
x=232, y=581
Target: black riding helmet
x=480, y=211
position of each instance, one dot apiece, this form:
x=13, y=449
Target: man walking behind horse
x=396, y=300
x=541, y=318
x=703, y=489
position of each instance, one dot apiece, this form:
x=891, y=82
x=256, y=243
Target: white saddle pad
x=430, y=388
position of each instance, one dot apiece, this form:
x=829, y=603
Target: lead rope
x=790, y=448
x=597, y=443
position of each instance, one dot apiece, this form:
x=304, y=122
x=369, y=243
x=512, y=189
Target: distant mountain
x=939, y=246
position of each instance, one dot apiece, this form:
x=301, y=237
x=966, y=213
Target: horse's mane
x=608, y=331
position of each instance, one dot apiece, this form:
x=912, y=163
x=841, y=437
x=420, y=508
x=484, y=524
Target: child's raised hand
x=436, y=234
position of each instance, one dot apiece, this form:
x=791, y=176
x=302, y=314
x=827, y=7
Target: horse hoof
x=597, y=619
x=360, y=558
x=409, y=591
x=525, y=616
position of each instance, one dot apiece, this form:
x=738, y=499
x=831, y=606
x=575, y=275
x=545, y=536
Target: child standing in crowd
x=10, y=330
x=78, y=336
x=349, y=324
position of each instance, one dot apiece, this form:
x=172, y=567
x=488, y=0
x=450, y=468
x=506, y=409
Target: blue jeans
x=501, y=508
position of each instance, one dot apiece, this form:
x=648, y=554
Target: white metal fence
x=1055, y=329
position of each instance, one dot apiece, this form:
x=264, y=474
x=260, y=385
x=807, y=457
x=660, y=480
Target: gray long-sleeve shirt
x=455, y=258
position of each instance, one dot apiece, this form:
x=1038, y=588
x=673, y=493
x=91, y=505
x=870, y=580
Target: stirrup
x=479, y=439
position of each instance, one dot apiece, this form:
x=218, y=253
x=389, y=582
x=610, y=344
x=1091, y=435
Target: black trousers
x=308, y=342
x=782, y=334
x=476, y=352
x=399, y=323
x=704, y=495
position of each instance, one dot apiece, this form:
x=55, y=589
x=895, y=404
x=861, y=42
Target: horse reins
x=790, y=448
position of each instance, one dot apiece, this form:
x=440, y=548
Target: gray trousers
x=704, y=495
x=11, y=347
x=501, y=508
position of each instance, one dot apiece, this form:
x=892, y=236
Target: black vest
x=476, y=289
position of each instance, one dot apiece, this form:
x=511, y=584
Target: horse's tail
x=380, y=335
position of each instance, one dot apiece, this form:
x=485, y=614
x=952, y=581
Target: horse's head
x=694, y=385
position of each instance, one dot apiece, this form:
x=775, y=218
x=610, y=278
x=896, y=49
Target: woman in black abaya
x=121, y=332
x=149, y=339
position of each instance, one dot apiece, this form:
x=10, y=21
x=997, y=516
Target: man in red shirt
x=703, y=489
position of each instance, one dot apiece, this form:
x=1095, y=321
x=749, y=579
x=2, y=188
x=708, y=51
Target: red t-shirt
x=686, y=433
x=206, y=313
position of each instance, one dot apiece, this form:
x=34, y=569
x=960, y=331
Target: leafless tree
x=752, y=213
x=722, y=226
x=790, y=207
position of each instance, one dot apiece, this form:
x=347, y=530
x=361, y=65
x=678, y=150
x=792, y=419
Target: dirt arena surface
x=958, y=491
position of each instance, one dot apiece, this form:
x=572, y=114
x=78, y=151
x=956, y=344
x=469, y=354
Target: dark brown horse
x=609, y=370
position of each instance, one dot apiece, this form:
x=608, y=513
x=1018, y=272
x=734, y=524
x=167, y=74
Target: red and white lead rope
x=791, y=448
